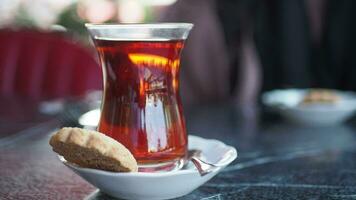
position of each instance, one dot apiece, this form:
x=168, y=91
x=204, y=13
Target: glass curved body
x=141, y=105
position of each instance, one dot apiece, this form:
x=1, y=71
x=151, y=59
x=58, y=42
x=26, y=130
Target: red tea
x=141, y=104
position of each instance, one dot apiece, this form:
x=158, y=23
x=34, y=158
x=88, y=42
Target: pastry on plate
x=314, y=96
x=93, y=149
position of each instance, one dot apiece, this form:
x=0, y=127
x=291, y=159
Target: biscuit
x=320, y=96
x=92, y=149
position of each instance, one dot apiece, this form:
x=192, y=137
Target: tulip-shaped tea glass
x=141, y=106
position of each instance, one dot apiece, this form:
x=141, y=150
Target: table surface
x=276, y=160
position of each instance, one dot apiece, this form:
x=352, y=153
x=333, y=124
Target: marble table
x=277, y=160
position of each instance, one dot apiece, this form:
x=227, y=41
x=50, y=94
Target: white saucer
x=161, y=185
x=286, y=102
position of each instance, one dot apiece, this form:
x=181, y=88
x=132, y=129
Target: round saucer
x=160, y=185
x=287, y=103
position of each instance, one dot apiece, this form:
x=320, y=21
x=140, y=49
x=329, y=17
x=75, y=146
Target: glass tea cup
x=141, y=106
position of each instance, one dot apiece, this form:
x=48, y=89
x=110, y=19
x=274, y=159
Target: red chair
x=44, y=65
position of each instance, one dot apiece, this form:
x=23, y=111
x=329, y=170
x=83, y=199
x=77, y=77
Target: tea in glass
x=141, y=105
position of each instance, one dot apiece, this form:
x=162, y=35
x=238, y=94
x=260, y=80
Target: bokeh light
x=131, y=11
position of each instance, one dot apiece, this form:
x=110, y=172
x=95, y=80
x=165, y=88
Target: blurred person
x=238, y=49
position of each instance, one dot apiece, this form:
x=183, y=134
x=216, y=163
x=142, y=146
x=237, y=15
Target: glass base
x=162, y=167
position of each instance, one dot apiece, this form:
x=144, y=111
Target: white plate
x=162, y=185
x=286, y=102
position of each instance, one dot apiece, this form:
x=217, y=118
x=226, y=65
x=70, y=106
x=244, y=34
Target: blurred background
x=236, y=50
x=70, y=15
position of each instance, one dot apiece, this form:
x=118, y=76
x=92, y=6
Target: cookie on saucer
x=92, y=149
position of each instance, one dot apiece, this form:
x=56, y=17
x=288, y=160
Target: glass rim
x=139, y=25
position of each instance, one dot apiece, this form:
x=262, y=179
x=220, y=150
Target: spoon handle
x=203, y=167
